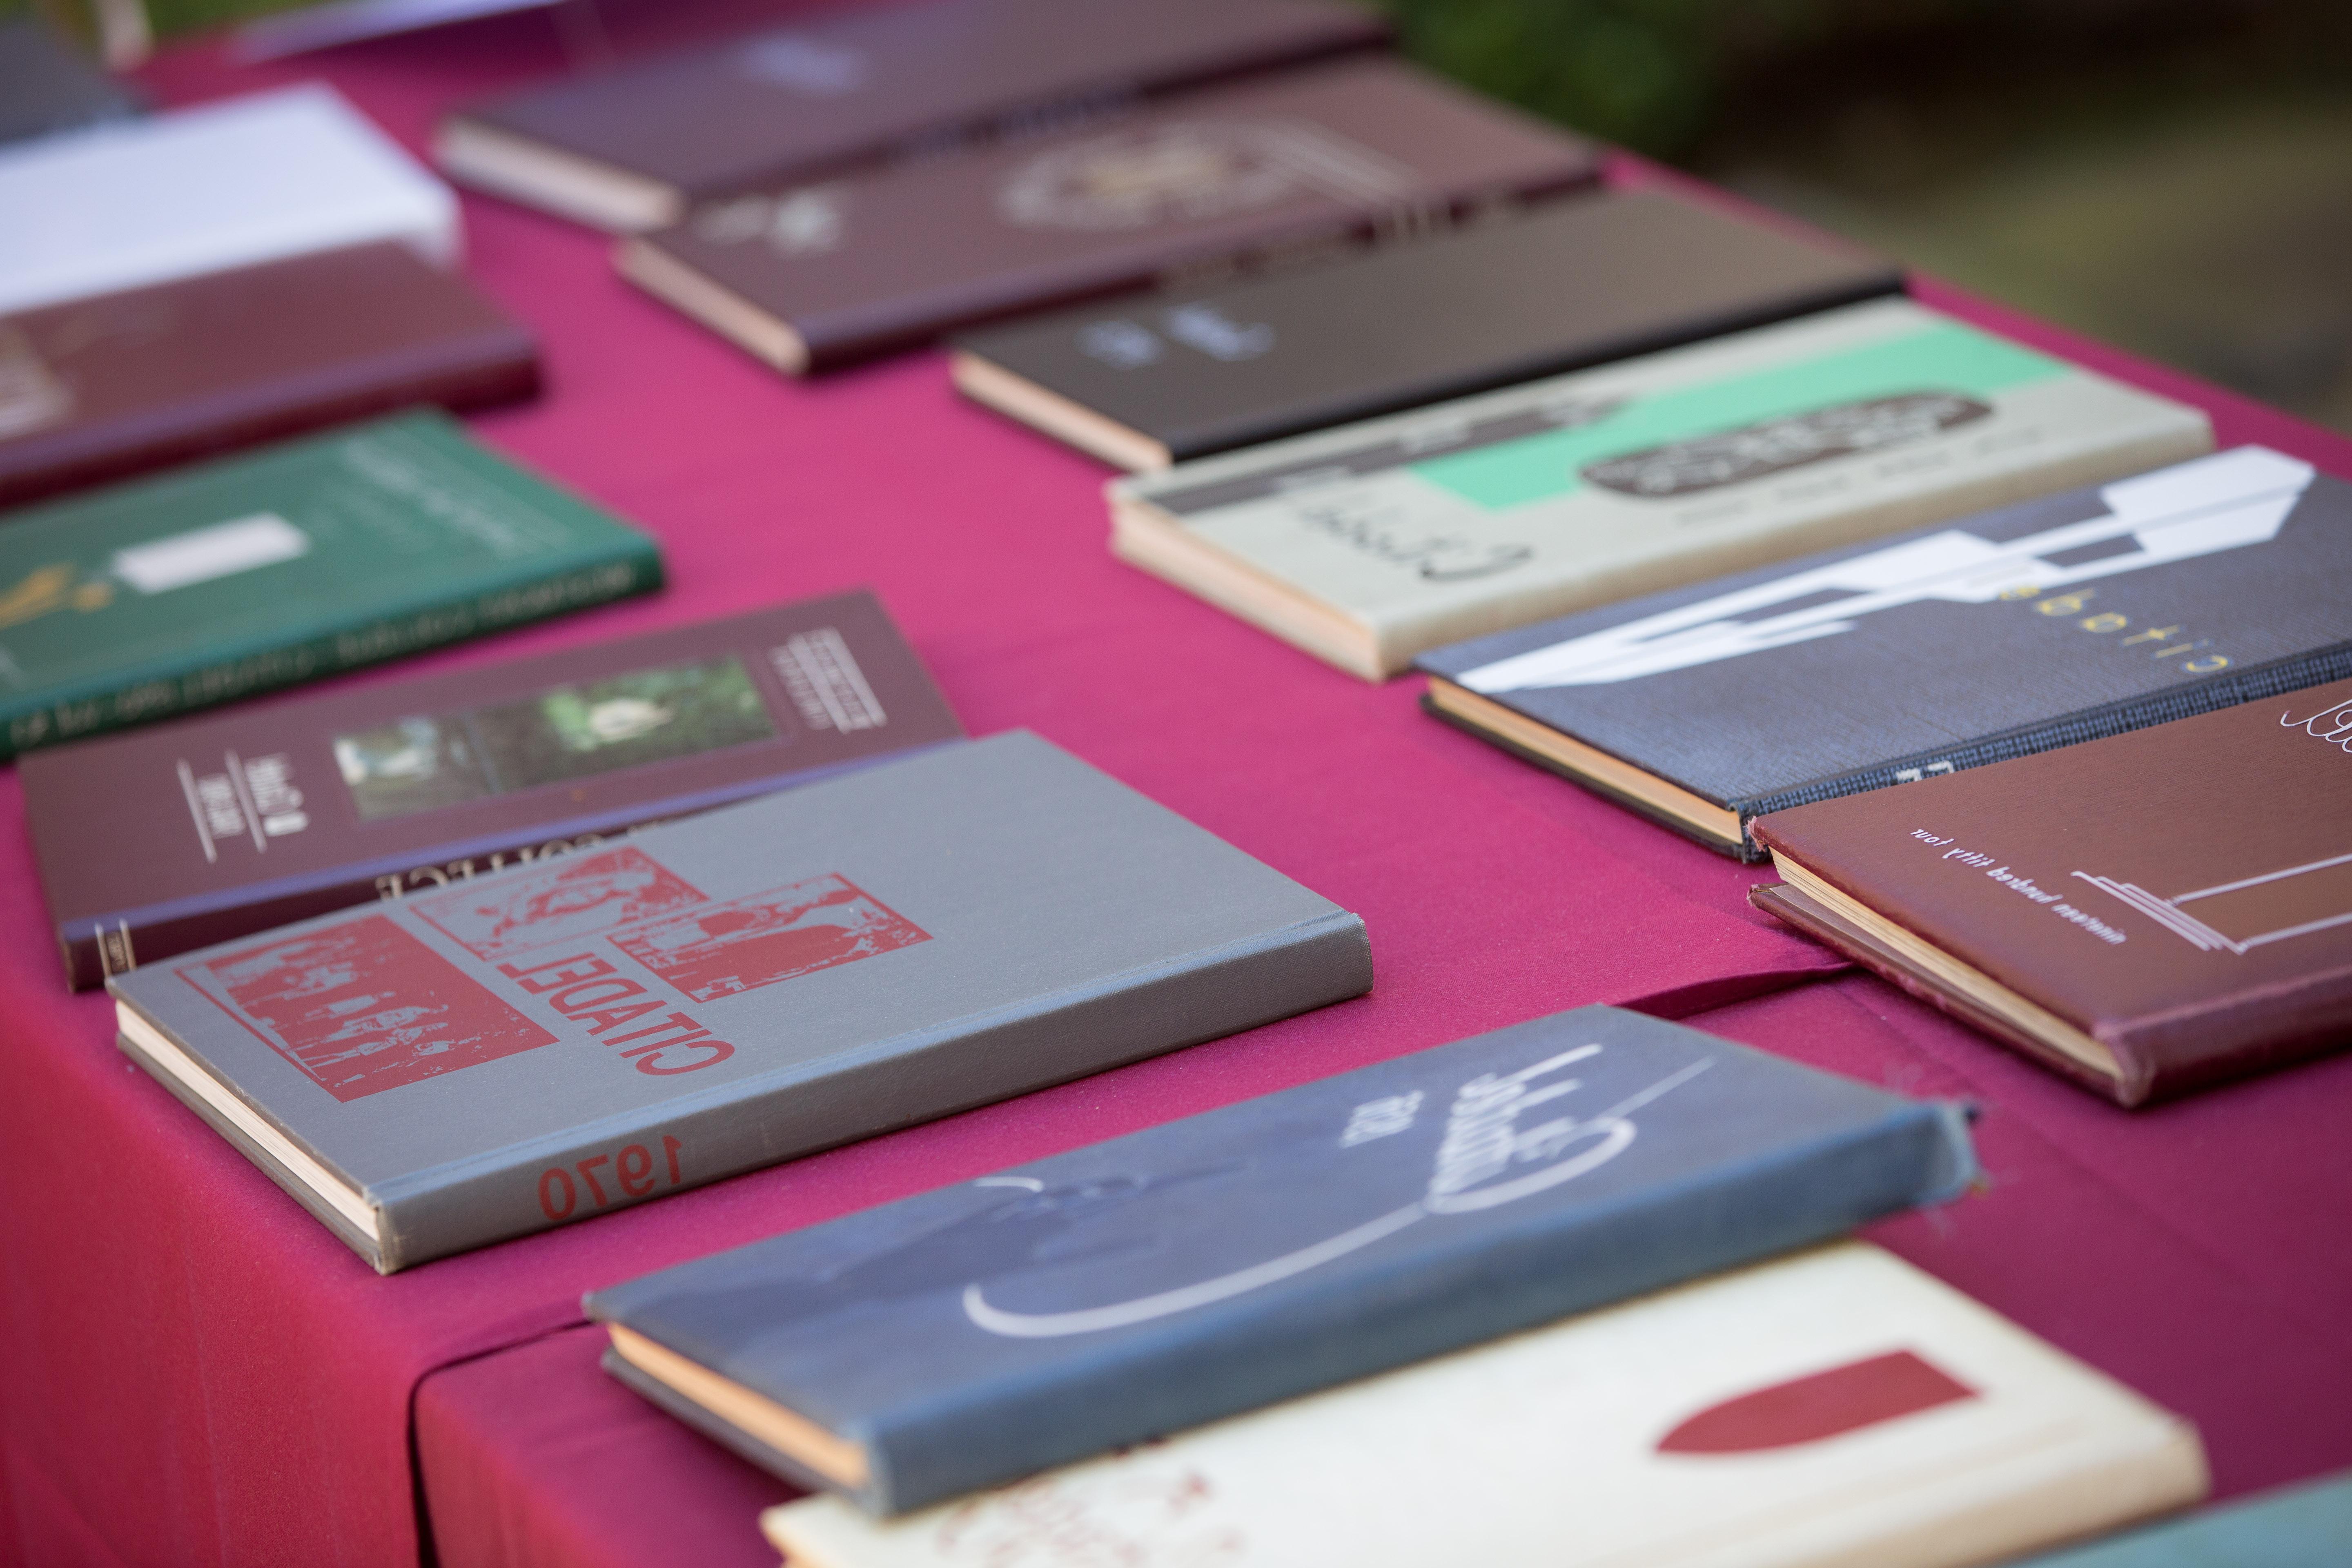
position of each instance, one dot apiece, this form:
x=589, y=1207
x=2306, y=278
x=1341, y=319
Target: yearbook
x=229, y=577
x=2088, y=613
x=2147, y=913
x=98, y=388
x=1272, y=172
x=1156, y=379
x=632, y=147
x=181, y=836
x=549, y=1042
x=223, y=185
x=1234, y=1258
x=1372, y=544
x=1830, y=1410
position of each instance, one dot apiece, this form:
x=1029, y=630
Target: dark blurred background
x=2172, y=175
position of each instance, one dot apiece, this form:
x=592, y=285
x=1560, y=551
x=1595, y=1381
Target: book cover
x=233, y=576
x=101, y=388
x=547, y=1042
x=2083, y=614
x=1378, y=541
x=47, y=86
x=1146, y=382
x=2130, y=905
x=631, y=147
x=180, y=836
x=247, y=180
x=1227, y=1260
x=1830, y=1410
x=1265, y=174
x=2306, y=1526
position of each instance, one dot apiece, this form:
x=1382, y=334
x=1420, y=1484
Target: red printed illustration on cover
x=364, y=1007
x=1819, y=1407
x=573, y=898
x=752, y=942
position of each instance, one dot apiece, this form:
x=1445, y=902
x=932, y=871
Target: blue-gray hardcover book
x=1216, y=1264
x=2307, y=1526
x=2085, y=613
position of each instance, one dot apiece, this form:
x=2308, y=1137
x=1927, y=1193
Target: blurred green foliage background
x=2174, y=175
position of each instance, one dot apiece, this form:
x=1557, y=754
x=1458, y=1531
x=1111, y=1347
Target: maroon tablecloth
x=196, y=1371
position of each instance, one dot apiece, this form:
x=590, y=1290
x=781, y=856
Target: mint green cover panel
x=226, y=578
x=1948, y=358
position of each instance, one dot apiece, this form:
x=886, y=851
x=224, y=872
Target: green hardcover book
x=228, y=578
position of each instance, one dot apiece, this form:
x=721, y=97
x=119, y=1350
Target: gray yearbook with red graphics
x=559, y=1039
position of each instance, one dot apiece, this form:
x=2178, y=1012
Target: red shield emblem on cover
x=1823, y=1406
x=570, y=898
x=364, y=1007
x=721, y=949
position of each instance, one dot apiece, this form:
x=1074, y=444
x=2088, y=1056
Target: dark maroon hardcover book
x=1270, y=172
x=112, y=385
x=2148, y=914
x=633, y=147
x=157, y=842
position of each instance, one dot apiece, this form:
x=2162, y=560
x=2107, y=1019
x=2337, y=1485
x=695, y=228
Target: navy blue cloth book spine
x=1213, y=1265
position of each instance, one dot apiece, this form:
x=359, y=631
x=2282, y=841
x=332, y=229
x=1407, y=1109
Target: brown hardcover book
x=1267, y=173
x=1137, y=383
x=631, y=148
x=107, y=386
x=170, y=839
x=2147, y=913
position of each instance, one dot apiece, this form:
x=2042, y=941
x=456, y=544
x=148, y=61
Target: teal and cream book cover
x=232, y=577
x=1371, y=543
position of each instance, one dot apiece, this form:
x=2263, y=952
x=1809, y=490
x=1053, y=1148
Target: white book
x=1373, y=542
x=252, y=179
x=1838, y=1409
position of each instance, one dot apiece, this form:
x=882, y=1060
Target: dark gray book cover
x=553, y=1040
x=2088, y=613
x=47, y=86
x=1195, y=370
x=1250, y=1254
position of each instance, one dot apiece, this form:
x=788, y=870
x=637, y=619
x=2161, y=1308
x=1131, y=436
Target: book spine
x=744, y=1125
x=1339, y=1325
x=2273, y=679
x=159, y=690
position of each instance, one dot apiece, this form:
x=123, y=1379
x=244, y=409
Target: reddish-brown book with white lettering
x=2147, y=913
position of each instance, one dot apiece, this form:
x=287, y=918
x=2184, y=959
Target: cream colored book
x=1371, y=543
x=1836, y=1408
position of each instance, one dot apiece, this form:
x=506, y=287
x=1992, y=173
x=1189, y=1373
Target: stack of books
x=2034, y=701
